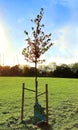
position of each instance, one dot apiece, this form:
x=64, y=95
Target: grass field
x=63, y=103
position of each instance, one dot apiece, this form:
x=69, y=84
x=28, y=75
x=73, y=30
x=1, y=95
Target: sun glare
x=5, y=46
x=2, y=39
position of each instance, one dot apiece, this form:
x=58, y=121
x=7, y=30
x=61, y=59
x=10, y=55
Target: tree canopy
x=39, y=43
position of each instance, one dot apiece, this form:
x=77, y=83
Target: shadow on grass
x=29, y=124
x=45, y=126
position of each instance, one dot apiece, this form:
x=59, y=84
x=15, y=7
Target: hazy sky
x=60, y=19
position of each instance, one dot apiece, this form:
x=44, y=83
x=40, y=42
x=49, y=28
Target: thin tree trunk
x=36, y=82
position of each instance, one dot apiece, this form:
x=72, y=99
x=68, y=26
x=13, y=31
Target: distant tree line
x=52, y=70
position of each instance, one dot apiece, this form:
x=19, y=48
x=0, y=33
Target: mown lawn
x=63, y=103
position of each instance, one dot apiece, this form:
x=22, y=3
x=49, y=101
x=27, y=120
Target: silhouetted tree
x=76, y=74
x=63, y=71
x=6, y=71
x=25, y=70
x=1, y=70
x=74, y=67
x=15, y=71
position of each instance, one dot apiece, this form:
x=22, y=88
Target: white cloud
x=68, y=37
x=65, y=49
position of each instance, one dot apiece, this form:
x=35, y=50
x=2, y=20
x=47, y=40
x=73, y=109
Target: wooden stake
x=22, y=108
x=47, y=103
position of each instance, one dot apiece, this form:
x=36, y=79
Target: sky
x=60, y=18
